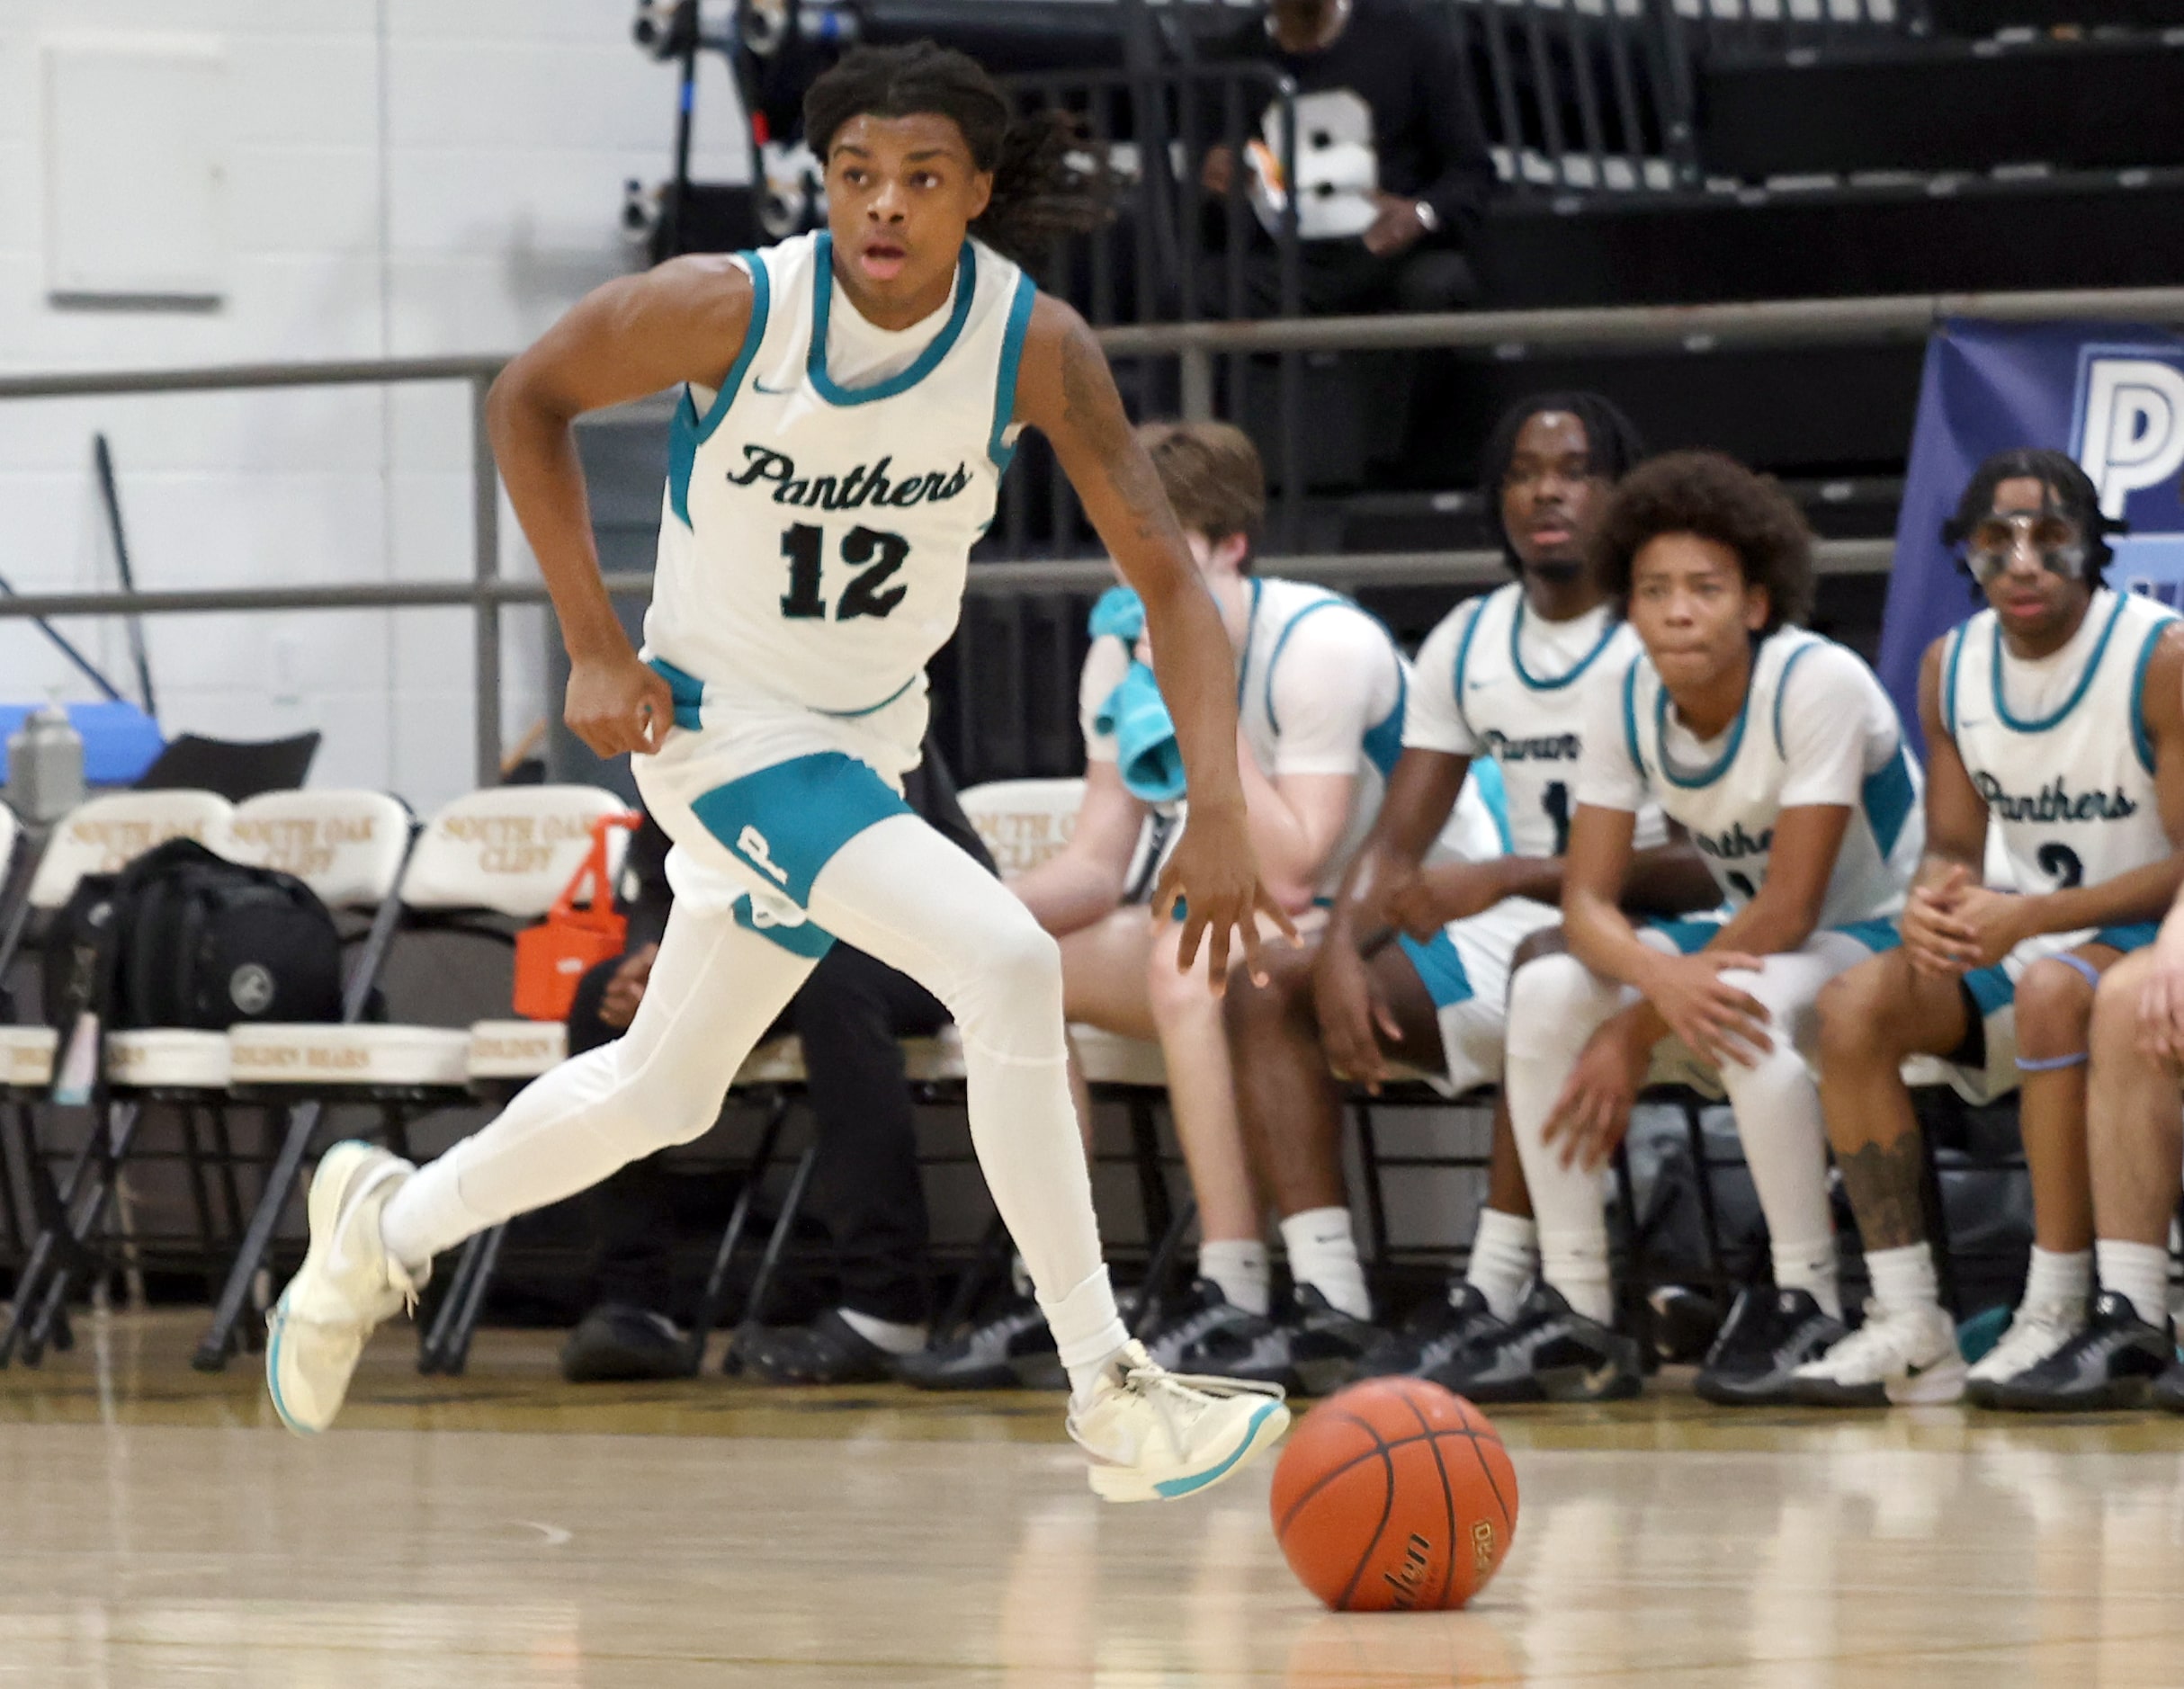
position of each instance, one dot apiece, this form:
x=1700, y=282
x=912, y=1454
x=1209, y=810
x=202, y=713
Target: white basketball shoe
x=2036, y=1331
x=348, y=1283
x=1909, y=1357
x=1156, y=1435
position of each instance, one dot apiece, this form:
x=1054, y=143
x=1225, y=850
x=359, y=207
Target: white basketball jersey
x=1532, y=723
x=1729, y=807
x=2072, y=792
x=1278, y=609
x=816, y=538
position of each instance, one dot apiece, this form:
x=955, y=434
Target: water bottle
x=45, y=767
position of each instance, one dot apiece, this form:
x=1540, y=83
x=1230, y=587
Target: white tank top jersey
x=1816, y=729
x=2059, y=747
x=818, y=529
x=1495, y=681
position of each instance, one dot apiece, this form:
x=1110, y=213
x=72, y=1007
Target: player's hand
x=625, y=988
x=1352, y=1012
x=617, y=705
x=1429, y=899
x=2161, y=1009
x=1594, y=1110
x=1986, y=926
x=1214, y=872
x=1397, y=228
x=1718, y=1022
x=1932, y=936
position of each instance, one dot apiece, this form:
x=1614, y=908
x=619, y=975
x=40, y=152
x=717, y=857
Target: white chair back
x=1024, y=821
x=347, y=846
x=102, y=835
x=11, y=830
x=510, y=850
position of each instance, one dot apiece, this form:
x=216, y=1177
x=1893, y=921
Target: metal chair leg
x=219, y=1339
x=1710, y=1224
x=440, y=1337
x=455, y=1356
x=993, y=1251
x=114, y=1138
x=1938, y=1224
x=714, y=1296
x=777, y=1241
x=1376, y=1197
x=1158, y=1206
x=1160, y=1265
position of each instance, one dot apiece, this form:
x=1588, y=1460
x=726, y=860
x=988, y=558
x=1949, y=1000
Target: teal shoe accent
x=1981, y=1333
x=1175, y=1487
x=273, y=1372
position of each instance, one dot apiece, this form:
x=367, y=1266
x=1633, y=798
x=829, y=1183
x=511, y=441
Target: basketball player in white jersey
x=1321, y=695
x=850, y=400
x=1780, y=755
x=1415, y=961
x=2055, y=716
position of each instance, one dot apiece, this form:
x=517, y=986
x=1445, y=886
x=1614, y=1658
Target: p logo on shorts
x=788, y=821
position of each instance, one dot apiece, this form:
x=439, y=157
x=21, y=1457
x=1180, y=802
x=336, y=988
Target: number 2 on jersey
x=2062, y=861
x=876, y=556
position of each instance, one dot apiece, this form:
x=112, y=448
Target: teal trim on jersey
x=1889, y=794
x=1690, y=937
x=1878, y=935
x=807, y=938
x=688, y=691
x=1281, y=643
x=1440, y=969
x=1494, y=793
x=943, y=342
x=1464, y=658
x=1384, y=740
x=1630, y=717
x=788, y=821
x=1243, y=658
x=1729, y=753
x=1781, y=693
x=2092, y=668
x=1517, y=656
x=1948, y=681
x=2133, y=935
x=687, y=432
x=869, y=709
x=2142, y=741
x=1004, y=382
x=1991, y=989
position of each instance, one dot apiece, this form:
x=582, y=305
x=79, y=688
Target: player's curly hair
x=2073, y=489
x=1047, y=182
x=1717, y=498
x=1612, y=441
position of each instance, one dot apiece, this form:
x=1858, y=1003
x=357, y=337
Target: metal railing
x=1695, y=330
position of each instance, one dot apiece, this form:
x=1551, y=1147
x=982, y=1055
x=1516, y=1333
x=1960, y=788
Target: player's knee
x=1544, y=998
x=657, y=1108
x=2113, y=1037
x=1013, y=976
x=1859, y=1011
x=2055, y=1010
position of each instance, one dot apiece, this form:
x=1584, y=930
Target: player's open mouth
x=1551, y=534
x=882, y=260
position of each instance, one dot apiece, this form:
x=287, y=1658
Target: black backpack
x=183, y=937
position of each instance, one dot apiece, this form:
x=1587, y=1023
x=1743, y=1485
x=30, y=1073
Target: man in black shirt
x=1433, y=168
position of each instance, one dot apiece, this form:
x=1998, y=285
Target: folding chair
x=349, y=847
x=100, y=837
x=483, y=865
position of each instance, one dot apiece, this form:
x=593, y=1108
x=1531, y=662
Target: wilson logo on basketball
x=1405, y=1579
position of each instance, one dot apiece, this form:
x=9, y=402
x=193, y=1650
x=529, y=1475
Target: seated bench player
x=1781, y=755
x=1322, y=691
x=2055, y=716
x=1415, y=961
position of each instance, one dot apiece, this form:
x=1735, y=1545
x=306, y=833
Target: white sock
x=2060, y=1279
x=891, y=1335
x=1505, y=1259
x=1323, y=1253
x=1904, y=1279
x=1086, y=1333
x=1238, y=1266
x=1576, y=1264
x=2139, y=1273
x=1811, y=1267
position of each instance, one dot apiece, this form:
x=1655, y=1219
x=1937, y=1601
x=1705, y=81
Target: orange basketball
x=1394, y=1493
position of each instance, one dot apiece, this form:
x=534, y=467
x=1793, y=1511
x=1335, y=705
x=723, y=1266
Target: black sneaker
x=1014, y=1349
x=2168, y=1391
x=1548, y=1353
x=2113, y=1363
x=827, y=1350
x=1769, y=1333
x=1314, y=1350
x=618, y=1343
x=1431, y=1337
x=1202, y=1313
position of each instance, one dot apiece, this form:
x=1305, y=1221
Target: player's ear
x=981, y=195
x=1758, y=606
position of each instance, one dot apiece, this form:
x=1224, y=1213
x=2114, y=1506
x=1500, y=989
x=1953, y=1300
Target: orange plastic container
x=551, y=957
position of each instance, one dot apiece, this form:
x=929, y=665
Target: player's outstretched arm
x=1065, y=389
x=684, y=321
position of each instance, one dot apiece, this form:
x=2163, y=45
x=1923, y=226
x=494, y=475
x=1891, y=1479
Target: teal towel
x=1147, y=755
x=1121, y=613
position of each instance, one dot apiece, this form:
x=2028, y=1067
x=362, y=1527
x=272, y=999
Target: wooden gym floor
x=157, y=1529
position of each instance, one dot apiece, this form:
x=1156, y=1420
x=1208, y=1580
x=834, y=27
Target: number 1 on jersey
x=875, y=556
x=1555, y=801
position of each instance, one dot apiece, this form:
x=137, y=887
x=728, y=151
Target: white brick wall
x=407, y=177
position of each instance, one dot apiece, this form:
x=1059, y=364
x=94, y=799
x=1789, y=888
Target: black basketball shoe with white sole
x=1202, y=1314
x=1314, y=1349
x=2168, y=1391
x=2113, y=1363
x=1014, y=1349
x=1769, y=1333
x=1549, y=1353
x=1432, y=1334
